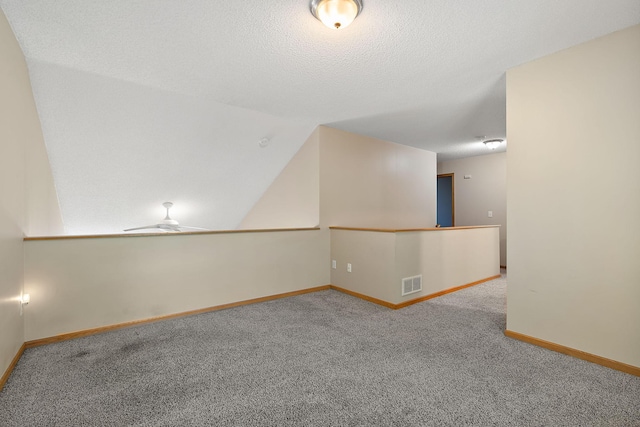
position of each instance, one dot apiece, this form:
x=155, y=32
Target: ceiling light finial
x=336, y=14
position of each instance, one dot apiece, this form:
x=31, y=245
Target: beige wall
x=367, y=182
x=43, y=210
x=78, y=284
x=372, y=256
x=27, y=194
x=86, y=283
x=340, y=178
x=573, y=199
x=293, y=200
x=485, y=191
x=444, y=258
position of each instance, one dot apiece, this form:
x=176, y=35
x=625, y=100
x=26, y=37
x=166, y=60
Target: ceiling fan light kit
x=336, y=14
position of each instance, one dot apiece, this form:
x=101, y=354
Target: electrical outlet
x=348, y=267
x=490, y=214
x=334, y=264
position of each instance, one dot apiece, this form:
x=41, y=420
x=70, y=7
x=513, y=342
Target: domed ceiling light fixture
x=492, y=144
x=336, y=14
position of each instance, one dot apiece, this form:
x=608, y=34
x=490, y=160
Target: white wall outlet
x=467, y=177
x=348, y=267
x=490, y=214
x=334, y=264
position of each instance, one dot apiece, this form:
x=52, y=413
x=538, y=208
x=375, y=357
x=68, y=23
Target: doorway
x=446, y=213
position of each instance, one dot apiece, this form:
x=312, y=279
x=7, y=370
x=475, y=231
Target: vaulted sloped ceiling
x=153, y=100
x=121, y=149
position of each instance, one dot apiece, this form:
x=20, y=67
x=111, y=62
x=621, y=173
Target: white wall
x=367, y=182
x=78, y=284
x=27, y=197
x=445, y=258
x=485, y=191
x=573, y=199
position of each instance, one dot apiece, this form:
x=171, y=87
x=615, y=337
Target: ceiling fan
x=167, y=224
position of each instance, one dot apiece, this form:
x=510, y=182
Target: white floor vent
x=411, y=285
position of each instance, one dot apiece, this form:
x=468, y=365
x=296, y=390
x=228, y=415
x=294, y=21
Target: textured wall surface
x=573, y=204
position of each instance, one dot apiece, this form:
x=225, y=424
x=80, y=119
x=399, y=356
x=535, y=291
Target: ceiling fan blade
x=167, y=224
x=146, y=227
x=192, y=228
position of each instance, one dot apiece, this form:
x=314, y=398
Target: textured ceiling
x=145, y=101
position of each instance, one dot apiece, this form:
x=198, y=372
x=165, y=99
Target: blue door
x=445, y=200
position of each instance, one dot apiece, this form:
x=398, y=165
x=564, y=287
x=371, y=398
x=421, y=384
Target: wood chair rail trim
x=182, y=233
x=406, y=230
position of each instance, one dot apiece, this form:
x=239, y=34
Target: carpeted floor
x=321, y=359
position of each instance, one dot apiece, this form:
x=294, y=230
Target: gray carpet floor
x=321, y=359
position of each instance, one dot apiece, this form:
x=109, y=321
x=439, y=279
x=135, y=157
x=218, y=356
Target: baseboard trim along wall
x=14, y=362
x=364, y=297
x=93, y=331
x=444, y=292
x=619, y=366
x=413, y=301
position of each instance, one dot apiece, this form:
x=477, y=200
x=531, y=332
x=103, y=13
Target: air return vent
x=411, y=285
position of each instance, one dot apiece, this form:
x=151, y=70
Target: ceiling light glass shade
x=336, y=14
x=493, y=143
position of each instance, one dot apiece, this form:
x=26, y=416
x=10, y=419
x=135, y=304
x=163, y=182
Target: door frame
x=453, y=198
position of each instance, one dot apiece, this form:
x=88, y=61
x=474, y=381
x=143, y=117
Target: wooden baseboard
x=444, y=292
x=14, y=362
x=413, y=301
x=365, y=297
x=93, y=331
x=619, y=366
